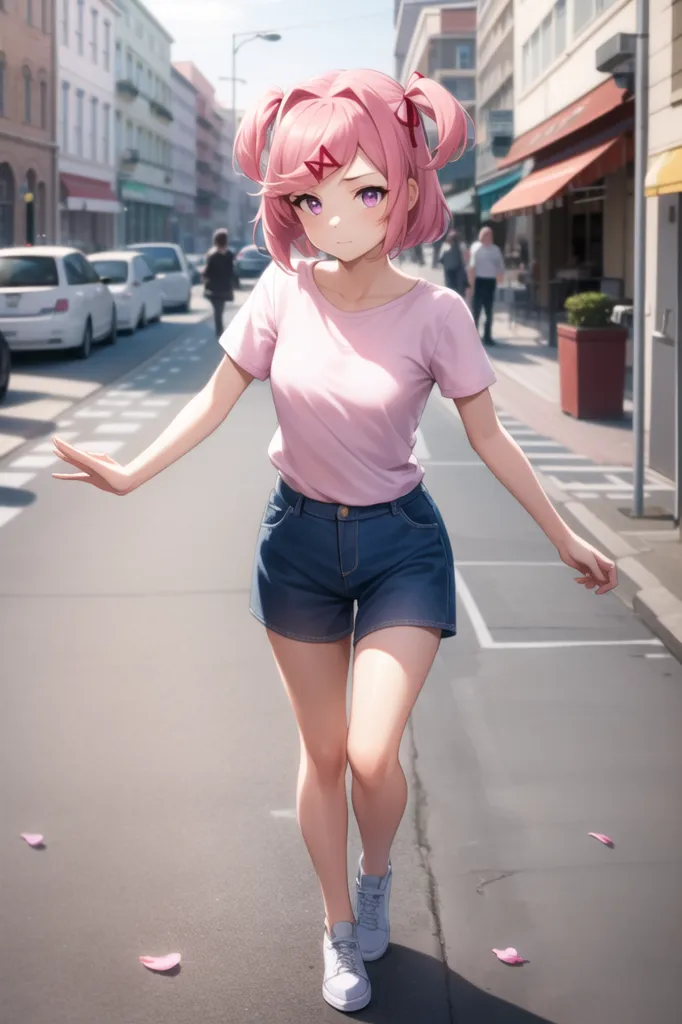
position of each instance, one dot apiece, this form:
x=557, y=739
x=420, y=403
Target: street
x=146, y=734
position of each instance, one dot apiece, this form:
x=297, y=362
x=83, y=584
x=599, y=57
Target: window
x=93, y=41
x=28, y=272
x=139, y=140
x=64, y=134
x=43, y=105
x=119, y=61
x=129, y=66
x=29, y=12
x=74, y=271
x=118, y=133
x=44, y=16
x=150, y=83
x=28, y=95
x=676, y=78
x=106, y=50
x=560, y=27
x=2, y=85
x=65, y=21
x=80, y=25
x=139, y=76
x=546, y=55
x=535, y=55
x=129, y=134
x=463, y=89
x=116, y=271
x=94, y=111
x=106, y=136
x=80, y=95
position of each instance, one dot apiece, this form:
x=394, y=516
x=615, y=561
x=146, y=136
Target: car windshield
x=116, y=271
x=160, y=259
x=28, y=272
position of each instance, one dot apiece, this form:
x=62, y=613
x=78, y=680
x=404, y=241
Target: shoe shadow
x=414, y=988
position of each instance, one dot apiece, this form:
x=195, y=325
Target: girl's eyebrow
x=356, y=177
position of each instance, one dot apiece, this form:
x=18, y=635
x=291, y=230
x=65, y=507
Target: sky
x=317, y=36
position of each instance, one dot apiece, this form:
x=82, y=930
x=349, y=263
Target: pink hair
x=344, y=111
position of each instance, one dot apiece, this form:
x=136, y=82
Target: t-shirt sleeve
x=251, y=335
x=459, y=364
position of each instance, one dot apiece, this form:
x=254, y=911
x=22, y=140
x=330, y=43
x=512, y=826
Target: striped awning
x=664, y=176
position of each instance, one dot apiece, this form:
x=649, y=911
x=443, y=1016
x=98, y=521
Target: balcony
x=204, y=123
x=126, y=88
x=130, y=157
x=162, y=112
x=203, y=167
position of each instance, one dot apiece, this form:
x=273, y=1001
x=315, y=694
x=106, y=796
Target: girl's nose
x=334, y=221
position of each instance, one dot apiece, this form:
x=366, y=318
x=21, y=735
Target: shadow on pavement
x=413, y=988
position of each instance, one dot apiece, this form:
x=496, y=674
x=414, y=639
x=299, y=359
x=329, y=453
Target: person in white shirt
x=486, y=270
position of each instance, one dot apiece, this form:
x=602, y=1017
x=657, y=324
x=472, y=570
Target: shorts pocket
x=420, y=514
x=276, y=511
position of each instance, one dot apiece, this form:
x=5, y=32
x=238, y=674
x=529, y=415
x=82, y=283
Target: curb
x=638, y=588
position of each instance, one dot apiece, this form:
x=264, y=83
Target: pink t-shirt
x=350, y=387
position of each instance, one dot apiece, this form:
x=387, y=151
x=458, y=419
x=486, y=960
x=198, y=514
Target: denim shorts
x=315, y=562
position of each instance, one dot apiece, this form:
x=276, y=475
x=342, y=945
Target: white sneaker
x=373, y=894
x=346, y=985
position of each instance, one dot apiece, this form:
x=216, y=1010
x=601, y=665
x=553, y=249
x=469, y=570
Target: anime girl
x=353, y=559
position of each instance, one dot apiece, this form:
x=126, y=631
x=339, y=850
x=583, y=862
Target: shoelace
x=368, y=908
x=346, y=955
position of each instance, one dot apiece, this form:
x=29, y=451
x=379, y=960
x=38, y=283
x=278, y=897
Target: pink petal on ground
x=509, y=956
x=602, y=838
x=161, y=963
x=31, y=838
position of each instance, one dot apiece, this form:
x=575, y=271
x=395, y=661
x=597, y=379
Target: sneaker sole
x=375, y=954
x=350, y=1005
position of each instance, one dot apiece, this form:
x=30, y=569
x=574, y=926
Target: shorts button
x=343, y=512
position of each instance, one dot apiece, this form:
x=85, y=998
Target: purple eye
x=312, y=205
x=372, y=196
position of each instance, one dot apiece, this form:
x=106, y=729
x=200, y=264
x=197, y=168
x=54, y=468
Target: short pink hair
x=345, y=111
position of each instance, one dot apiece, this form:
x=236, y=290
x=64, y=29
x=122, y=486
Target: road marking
x=65, y=423
x=34, y=462
x=98, y=445
x=420, y=449
x=483, y=634
x=6, y=514
x=437, y=462
x=67, y=435
x=519, y=431
x=665, y=655
x=117, y=428
x=94, y=414
x=586, y=495
x=117, y=402
x=288, y=812
x=140, y=414
x=613, y=484
x=157, y=401
x=537, y=456
x=160, y=380
x=15, y=479
x=175, y=369
x=541, y=444
x=137, y=393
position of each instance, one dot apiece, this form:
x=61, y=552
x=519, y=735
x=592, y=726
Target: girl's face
x=344, y=215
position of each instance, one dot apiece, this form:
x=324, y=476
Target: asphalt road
x=144, y=732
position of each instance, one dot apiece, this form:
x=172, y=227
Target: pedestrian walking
x=454, y=268
x=486, y=270
x=218, y=275
x=353, y=347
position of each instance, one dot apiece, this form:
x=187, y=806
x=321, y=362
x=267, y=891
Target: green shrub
x=589, y=309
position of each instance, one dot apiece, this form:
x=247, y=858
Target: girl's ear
x=412, y=193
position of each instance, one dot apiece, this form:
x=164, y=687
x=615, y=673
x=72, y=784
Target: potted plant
x=591, y=358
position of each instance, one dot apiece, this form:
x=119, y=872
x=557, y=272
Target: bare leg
x=315, y=677
x=390, y=667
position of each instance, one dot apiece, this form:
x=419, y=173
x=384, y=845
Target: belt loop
x=394, y=508
x=299, y=505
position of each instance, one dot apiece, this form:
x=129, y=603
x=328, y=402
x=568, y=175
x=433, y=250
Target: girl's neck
x=371, y=274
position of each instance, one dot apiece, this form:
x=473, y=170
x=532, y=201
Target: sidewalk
x=648, y=551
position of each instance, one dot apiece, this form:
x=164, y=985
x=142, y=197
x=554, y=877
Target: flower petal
x=161, y=963
x=32, y=839
x=602, y=838
x=509, y=956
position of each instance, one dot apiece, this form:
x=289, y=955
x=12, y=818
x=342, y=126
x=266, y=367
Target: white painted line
x=482, y=632
x=420, y=450
x=586, y=495
x=140, y=414
x=95, y=414
x=550, y=644
x=157, y=401
x=436, y=462
x=174, y=369
x=652, y=655
x=619, y=485
x=65, y=435
x=34, y=462
x=541, y=444
x=288, y=812
x=117, y=428
x=117, y=402
x=99, y=445
x=160, y=380
x=519, y=431
x=137, y=393
x=591, y=468
x=537, y=456
x=15, y=479
x=6, y=514
x=615, y=544
x=195, y=359
x=64, y=423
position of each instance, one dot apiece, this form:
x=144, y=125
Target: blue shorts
x=314, y=561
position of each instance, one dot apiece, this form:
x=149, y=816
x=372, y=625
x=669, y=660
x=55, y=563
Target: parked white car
x=52, y=298
x=137, y=293
x=170, y=265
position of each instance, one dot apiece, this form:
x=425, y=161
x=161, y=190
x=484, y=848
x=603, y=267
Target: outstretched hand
x=95, y=468
x=597, y=570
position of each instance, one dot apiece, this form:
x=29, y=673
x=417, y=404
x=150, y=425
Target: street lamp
x=270, y=37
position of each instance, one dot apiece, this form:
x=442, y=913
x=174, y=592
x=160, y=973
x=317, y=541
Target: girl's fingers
x=71, y=476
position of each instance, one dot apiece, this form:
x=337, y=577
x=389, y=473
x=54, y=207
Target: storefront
x=579, y=196
x=88, y=211
x=147, y=213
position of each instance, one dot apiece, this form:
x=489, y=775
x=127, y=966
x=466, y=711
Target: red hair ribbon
x=325, y=159
x=411, y=120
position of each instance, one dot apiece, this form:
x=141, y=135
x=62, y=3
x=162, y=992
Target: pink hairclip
x=411, y=120
x=316, y=167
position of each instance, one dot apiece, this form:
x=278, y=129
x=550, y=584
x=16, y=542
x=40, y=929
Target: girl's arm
x=507, y=462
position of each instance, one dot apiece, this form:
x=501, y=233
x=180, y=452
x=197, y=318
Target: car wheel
x=5, y=366
x=142, y=321
x=85, y=348
x=112, y=336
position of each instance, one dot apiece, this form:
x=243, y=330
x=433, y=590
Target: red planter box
x=592, y=371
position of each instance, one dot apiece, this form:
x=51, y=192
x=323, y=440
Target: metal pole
x=641, y=155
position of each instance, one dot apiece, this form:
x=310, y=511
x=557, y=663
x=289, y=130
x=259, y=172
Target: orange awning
x=579, y=171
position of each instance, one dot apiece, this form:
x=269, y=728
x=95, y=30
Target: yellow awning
x=664, y=176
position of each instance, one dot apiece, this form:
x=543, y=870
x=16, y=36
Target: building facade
x=573, y=150
x=85, y=102
x=439, y=40
x=28, y=151
x=184, y=143
x=663, y=333
x=142, y=126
